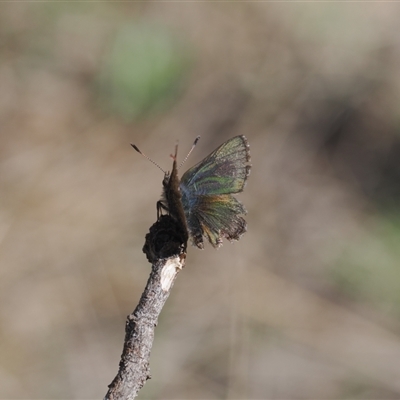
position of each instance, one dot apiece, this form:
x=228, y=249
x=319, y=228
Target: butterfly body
x=202, y=202
x=172, y=199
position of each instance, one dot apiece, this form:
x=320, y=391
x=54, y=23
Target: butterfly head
x=166, y=179
x=171, y=177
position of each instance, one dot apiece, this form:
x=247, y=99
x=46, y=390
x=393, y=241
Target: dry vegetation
x=307, y=304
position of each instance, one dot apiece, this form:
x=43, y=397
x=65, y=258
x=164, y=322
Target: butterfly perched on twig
x=201, y=201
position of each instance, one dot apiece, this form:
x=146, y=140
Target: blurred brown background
x=307, y=304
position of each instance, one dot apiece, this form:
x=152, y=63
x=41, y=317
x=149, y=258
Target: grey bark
x=166, y=250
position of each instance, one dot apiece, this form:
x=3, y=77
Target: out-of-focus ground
x=307, y=304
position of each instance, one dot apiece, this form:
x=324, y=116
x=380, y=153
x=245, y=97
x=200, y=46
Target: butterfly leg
x=160, y=206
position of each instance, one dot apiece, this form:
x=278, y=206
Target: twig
x=165, y=248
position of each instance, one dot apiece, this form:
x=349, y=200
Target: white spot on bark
x=168, y=273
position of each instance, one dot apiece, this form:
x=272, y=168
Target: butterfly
x=202, y=201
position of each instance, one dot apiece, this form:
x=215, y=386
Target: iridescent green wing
x=216, y=217
x=207, y=188
x=224, y=171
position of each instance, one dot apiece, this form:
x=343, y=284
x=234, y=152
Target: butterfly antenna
x=193, y=146
x=144, y=155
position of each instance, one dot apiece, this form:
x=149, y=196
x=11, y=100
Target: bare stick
x=165, y=250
